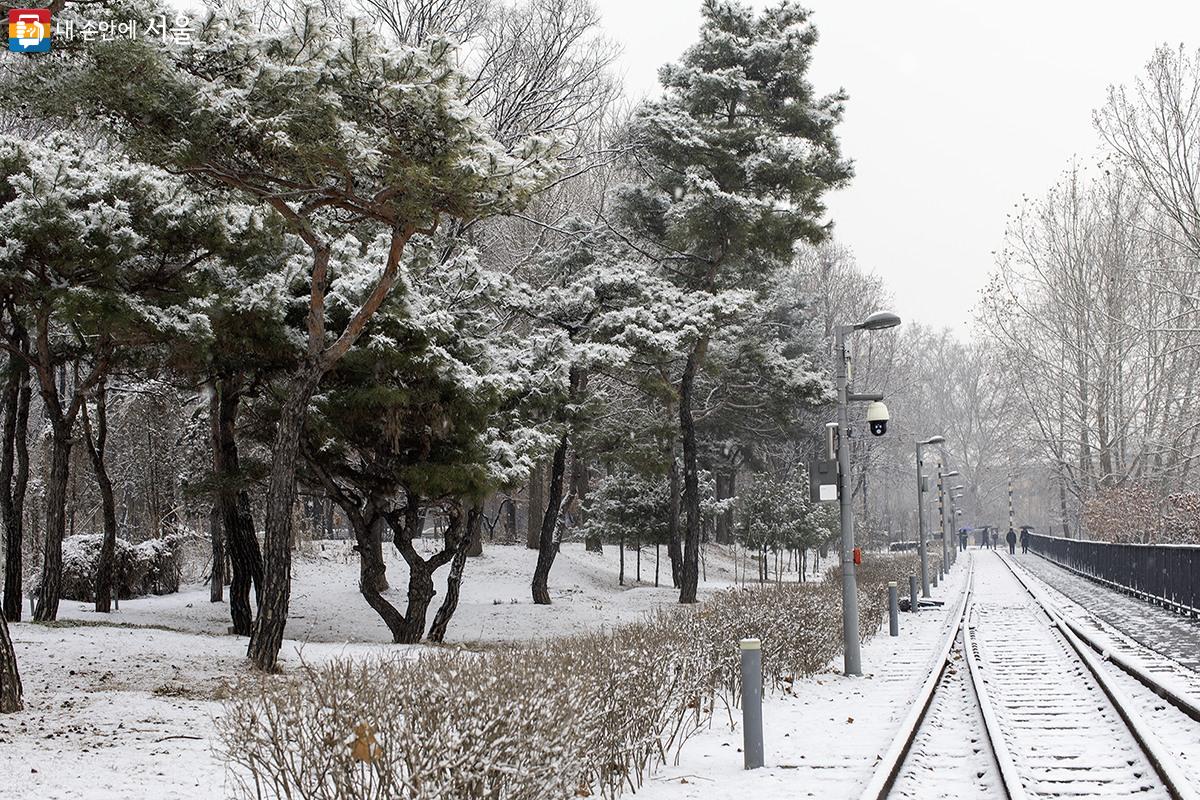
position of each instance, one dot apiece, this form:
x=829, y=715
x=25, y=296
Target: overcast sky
x=957, y=109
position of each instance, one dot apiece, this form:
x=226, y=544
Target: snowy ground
x=824, y=738
x=495, y=604
x=116, y=710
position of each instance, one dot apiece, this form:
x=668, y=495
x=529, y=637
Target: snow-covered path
x=1171, y=634
x=1065, y=737
x=823, y=739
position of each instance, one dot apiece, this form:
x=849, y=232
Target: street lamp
x=956, y=493
x=947, y=555
x=850, y=643
x=921, y=515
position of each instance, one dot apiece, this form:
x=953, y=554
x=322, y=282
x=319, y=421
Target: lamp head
x=878, y=321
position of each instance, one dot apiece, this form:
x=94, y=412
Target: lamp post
x=947, y=555
x=850, y=641
x=921, y=515
x=955, y=494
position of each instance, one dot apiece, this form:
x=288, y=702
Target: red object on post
x=857, y=556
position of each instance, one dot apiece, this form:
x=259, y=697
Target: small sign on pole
x=823, y=481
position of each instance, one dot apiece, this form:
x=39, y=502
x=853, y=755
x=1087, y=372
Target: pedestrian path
x=1166, y=632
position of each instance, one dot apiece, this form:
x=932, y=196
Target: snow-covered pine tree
x=731, y=165
x=418, y=418
x=97, y=259
x=358, y=145
x=581, y=311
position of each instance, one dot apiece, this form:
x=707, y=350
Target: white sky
x=957, y=109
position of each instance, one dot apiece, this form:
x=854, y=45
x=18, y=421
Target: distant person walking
x=1011, y=538
x=1024, y=540
x=962, y=539
x=995, y=539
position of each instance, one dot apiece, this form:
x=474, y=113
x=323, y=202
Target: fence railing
x=1167, y=574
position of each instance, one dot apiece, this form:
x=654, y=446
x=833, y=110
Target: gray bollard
x=752, y=732
x=912, y=593
x=893, y=609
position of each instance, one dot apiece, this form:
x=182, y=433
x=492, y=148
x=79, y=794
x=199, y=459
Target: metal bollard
x=893, y=609
x=752, y=733
x=912, y=593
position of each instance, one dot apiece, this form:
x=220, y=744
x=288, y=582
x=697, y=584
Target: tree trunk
x=547, y=548
x=376, y=543
x=17, y=395
x=441, y=620
x=420, y=595
x=536, y=504
x=216, y=581
x=690, y=575
x=367, y=531
x=726, y=488
x=474, y=546
x=674, y=549
x=46, y=607
x=421, y=570
x=245, y=558
x=621, y=558
x=10, y=676
x=592, y=543
x=267, y=635
x=96, y=449
x=510, y=519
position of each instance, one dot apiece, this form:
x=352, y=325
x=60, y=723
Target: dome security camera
x=877, y=418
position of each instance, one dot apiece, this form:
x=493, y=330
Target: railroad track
x=1019, y=706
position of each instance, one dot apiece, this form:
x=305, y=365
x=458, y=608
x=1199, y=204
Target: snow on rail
x=1161, y=694
x=1037, y=717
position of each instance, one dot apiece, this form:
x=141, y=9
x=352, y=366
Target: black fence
x=1166, y=574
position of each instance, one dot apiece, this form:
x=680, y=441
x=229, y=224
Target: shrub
x=150, y=567
x=577, y=716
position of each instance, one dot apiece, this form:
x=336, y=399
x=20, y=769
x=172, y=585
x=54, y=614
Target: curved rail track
x=1023, y=702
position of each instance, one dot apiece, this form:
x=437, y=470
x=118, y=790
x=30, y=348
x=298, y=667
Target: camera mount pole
x=877, y=321
x=850, y=640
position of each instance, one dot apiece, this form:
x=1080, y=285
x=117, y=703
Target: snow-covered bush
x=579, y=716
x=150, y=567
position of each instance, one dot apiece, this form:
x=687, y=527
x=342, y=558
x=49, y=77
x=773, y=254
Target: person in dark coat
x=962, y=539
x=1024, y=540
x=1011, y=538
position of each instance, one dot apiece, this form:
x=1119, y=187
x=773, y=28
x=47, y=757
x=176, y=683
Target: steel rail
x=889, y=767
x=1164, y=765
